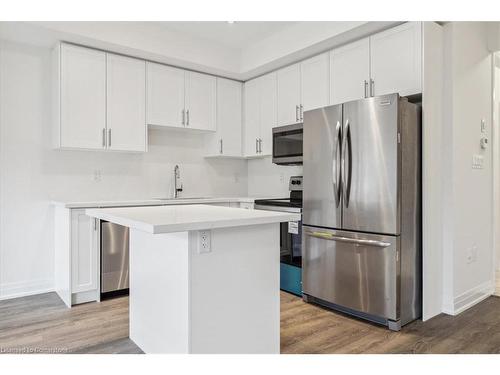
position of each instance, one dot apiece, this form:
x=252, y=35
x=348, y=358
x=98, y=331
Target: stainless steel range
x=290, y=236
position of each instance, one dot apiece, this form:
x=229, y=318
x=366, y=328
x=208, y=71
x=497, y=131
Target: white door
x=83, y=97
x=268, y=102
x=228, y=136
x=201, y=91
x=288, y=94
x=315, y=82
x=252, y=117
x=83, y=252
x=165, y=95
x=396, y=60
x=350, y=72
x=126, y=103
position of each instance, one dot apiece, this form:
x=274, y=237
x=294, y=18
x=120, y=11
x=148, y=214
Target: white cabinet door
x=396, y=60
x=350, y=72
x=315, y=82
x=268, y=99
x=201, y=91
x=288, y=94
x=126, y=103
x=228, y=135
x=83, y=252
x=165, y=95
x=252, y=117
x=82, y=97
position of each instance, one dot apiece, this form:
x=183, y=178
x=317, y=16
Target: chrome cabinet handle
x=332, y=237
x=296, y=113
x=256, y=145
x=336, y=167
x=109, y=137
x=221, y=145
x=187, y=117
x=260, y=145
x=372, y=87
x=183, y=117
x=366, y=88
x=103, y=137
x=301, y=113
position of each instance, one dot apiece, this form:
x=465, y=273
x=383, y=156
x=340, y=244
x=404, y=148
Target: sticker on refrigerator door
x=293, y=227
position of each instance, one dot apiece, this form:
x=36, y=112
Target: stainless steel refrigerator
x=362, y=209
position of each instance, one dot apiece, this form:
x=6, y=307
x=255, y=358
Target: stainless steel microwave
x=287, y=144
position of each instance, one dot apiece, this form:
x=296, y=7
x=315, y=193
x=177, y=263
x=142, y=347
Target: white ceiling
x=239, y=34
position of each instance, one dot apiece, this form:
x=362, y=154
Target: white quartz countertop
x=152, y=202
x=180, y=218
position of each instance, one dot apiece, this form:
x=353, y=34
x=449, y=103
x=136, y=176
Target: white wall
x=468, y=216
x=32, y=174
x=496, y=156
x=266, y=179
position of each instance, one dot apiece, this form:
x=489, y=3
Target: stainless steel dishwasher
x=114, y=260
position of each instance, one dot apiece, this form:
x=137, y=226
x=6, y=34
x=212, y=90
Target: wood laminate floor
x=42, y=324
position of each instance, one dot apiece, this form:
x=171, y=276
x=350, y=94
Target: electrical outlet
x=282, y=178
x=204, y=241
x=471, y=254
x=97, y=175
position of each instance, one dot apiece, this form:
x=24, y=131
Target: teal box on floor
x=291, y=279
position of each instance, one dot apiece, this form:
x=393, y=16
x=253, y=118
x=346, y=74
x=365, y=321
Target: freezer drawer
x=114, y=257
x=353, y=270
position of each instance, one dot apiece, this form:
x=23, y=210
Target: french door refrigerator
x=362, y=209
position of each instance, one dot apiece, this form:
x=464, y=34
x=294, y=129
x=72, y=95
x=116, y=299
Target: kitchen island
x=203, y=279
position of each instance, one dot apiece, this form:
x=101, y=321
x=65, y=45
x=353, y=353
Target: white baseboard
x=470, y=298
x=25, y=288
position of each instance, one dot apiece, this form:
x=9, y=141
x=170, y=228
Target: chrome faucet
x=177, y=177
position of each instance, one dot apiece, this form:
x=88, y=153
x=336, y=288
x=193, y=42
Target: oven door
x=287, y=144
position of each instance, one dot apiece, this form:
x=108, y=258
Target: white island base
x=223, y=301
x=185, y=298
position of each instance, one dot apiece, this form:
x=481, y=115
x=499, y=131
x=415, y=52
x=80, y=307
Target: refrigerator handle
x=332, y=237
x=346, y=169
x=337, y=168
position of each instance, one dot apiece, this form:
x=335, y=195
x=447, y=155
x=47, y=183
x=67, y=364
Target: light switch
x=477, y=161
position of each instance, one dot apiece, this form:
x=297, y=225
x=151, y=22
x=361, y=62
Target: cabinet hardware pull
x=256, y=145
x=103, y=137
x=301, y=113
x=372, y=87
x=221, y=146
x=366, y=88
x=260, y=145
x=109, y=138
x=187, y=117
x=183, y=117
x=296, y=113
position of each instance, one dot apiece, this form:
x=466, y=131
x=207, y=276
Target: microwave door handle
x=337, y=168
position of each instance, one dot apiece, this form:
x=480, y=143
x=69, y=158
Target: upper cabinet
x=126, y=103
x=384, y=63
x=301, y=87
x=179, y=98
x=165, y=104
x=226, y=141
x=260, y=115
x=99, y=100
x=350, y=72
x=81, y=102
x=396, y=60
x=201, y=91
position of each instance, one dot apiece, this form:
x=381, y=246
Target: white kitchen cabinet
x=260, y=115
x=126, y=103
x=200, y=101
x=288, y=95
x=84, y=252
x=396, y=60
x=226, y=141
x=80, y=97
x=165, y=98
x=315, y=82
x=350, y=72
